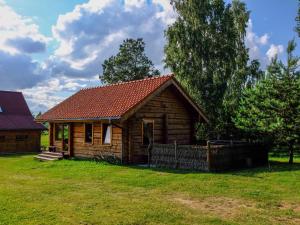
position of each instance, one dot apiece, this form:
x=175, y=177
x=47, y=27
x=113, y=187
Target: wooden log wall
x=96, y=148
x=173, y=121
x=9, y=144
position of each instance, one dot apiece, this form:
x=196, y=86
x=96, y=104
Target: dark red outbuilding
x=18, y=130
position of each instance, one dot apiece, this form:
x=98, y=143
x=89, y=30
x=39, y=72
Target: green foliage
x=131, y=63
x=45, y=139
x=272, y=107
x=206, y=50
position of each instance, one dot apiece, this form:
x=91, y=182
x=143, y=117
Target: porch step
x=42, y=158
x=49, y=156
x=52, y=153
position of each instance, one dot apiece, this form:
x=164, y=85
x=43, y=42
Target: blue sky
x=49, y=49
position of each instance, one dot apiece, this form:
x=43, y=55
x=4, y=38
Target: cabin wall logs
x=173, y=121
x=20, y=141
x=96, y=148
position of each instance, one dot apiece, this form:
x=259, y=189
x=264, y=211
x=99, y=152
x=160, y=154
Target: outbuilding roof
x=107, y=102
x=15, y=114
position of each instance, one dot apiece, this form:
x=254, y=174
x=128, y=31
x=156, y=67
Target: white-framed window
x=106, y=133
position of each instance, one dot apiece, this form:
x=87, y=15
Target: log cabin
x=121, y=120
x=19, y=133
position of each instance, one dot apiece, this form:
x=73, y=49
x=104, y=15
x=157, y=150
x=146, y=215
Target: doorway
x=66, y=132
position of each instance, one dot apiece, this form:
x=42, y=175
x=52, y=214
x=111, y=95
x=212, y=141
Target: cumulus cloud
x=26, y=45
x=254, y=42
x=274, y=50
x=19, y=38
x=19, y=34
x=18, y=71
x=86, y=36
x=45, y=95
x=263, y=40
x=93, y=32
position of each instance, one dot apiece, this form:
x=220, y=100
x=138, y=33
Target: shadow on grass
x=273, y=167
x=139, y=167
x=17, y=155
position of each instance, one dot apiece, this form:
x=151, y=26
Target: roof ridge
x=11, y=91
x=128, y=82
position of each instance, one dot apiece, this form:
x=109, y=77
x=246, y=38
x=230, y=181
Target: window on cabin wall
x=88, y=133
x=58, y=132
x=2, y=139
x=148, y=131
x=106, y=133
x=21, y=137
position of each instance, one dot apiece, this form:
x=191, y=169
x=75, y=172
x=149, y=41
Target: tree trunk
x=291, y=153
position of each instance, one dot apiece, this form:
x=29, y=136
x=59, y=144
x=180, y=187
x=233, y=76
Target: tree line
x=205, y=48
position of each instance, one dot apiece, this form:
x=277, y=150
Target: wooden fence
x=179, y=156
x=215, y=156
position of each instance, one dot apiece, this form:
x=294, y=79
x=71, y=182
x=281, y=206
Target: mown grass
x=44, y=139
x=88, y=192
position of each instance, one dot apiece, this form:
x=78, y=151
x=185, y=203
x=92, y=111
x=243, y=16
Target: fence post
x=175, y=149
x=208, y=156
x=149, y=154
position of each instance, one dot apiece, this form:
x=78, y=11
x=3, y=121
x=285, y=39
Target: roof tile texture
x=16, y=114
x=106, y=101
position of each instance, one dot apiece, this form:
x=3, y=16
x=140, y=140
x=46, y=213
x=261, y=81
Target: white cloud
x=134, y=4
x=93, y=32
x=167, y=14
x=52, y=91
x=86, y=36
x=257, y=46
x=254, y=42
x=19, y=34
x=274, y=50
x=18, y=71
x=19, y=37
x=263, y=40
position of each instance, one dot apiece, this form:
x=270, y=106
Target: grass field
x=44, y=140
x=87, y=192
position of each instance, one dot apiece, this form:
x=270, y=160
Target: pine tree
x=130, y=63
x=272, y=107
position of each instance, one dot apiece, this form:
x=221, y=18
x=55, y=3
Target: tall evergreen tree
x=131, y=63
x=206, y=50
x=272, y=107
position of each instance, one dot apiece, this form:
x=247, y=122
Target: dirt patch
x=231, y=208
x=223, y=207
x=295, y=207
x=286, y=220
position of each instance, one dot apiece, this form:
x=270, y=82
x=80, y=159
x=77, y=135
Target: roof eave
x=78, y=119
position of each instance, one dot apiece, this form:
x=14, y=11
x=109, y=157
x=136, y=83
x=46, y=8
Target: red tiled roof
x=105, y=102
x=15, y=114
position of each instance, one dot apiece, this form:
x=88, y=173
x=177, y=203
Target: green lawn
x=44, y=140
x=87, y=192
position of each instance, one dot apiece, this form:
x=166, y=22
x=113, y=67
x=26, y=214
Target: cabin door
x=65, y=139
